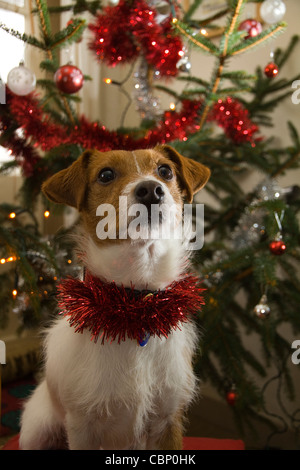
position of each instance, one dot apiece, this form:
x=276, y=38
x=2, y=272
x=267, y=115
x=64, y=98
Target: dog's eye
x=165, y=172
x=106, y=175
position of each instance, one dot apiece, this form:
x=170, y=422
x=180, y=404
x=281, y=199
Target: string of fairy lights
x=12, y=258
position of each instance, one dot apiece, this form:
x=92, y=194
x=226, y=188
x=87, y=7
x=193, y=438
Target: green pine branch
x=71, y=33
x=44, y=21
x=191, y=10
x=236, y=75
x=250, y=43
x=192, y=79
x=31, y=40
x=197, y=40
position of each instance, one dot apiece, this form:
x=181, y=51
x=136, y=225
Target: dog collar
x=130, y=290
x=116, y=312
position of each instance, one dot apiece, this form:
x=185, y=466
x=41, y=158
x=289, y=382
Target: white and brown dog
x=118, y=395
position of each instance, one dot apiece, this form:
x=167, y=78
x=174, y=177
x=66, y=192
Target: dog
x=119, y=394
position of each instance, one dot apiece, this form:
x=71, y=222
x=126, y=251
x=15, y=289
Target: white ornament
x=262, y=310
x=21, y=80
x=163, y=10
x=184, y=64
x=272, y=11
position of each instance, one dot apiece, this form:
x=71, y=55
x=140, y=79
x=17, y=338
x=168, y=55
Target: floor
x=212, y=418
x=207, y=417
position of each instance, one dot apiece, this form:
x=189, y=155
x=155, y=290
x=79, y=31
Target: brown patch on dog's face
x=126, y=168
x=98, y=178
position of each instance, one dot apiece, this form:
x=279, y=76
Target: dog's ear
x=191, y=175
x=69, y=186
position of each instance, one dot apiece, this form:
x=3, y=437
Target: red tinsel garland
x=39, y=130
x=231, y=115
x=127, y=30
x=24, y=153
x=110, y=312
x=39, y=127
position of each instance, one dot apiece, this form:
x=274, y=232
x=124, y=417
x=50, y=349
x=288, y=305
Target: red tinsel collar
x=116, y=312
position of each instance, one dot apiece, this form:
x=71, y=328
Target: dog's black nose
x=149, y=192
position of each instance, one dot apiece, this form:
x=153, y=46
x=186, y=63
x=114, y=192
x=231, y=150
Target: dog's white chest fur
x=129, y=391
x=115, y=396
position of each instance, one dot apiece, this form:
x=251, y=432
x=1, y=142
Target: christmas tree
x=248, y=263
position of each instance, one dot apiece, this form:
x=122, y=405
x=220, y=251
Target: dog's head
x=127, y=182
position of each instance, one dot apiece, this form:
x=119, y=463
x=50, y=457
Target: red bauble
x=271, y=70
x=277, y=247
x=68, y=79
x=253, y=28
x=231, y=397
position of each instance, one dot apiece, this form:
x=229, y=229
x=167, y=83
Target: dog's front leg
x=83, y=432
x=171, y=438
